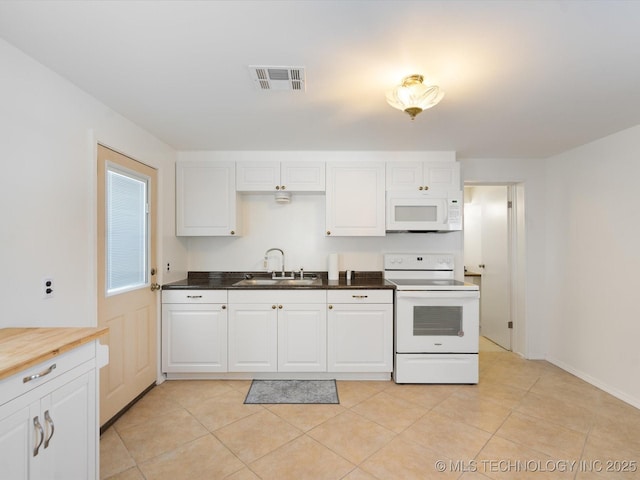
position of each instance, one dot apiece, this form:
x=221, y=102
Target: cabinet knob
x=224, y=307
x=328, y=232
x=277, y=187
x=420, y=187
x=283, y=187
x=273, y=306
x=426, y=187
x=233, y=232
x=280, y=306
x=330, y=307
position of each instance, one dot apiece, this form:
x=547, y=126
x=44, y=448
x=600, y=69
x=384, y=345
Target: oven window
x=437, y=320
x=416, y=213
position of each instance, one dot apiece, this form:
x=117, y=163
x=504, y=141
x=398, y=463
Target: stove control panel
x=418, y=261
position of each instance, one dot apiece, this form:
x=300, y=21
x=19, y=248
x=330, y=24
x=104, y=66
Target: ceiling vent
x=278, y=78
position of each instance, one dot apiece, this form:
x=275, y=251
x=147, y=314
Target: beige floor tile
x=505, y=395
x=244, y=474
x=130, y=474
x=473, y=476
x=393, y=413
x=503, y=459
x=223, y=409
x=556, y=411
x=203, y=458
x=352, y=393
x=404, y=460
x=452, y=439
x=352, y=436
x=256, y=435
x=358, y=474
x=512, y=374
x=147, y=409
x=478, y=412
x=305, y=417
x=114, y=456
x=540, y=435
x=303, y=458
x=427, y=396
x=193, y=392
x=161, y=435
x=604, y=452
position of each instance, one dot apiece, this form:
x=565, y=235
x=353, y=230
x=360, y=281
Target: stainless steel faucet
x=266, y=262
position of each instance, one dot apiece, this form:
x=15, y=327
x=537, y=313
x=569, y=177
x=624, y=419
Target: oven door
x=437, y=321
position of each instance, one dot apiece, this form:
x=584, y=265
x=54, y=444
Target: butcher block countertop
x=21, y=348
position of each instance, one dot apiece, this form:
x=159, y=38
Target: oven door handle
x=422, y=294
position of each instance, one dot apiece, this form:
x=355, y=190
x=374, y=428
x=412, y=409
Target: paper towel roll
x=333, y=266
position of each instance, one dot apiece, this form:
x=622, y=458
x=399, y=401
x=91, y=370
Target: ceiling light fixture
x=413, y=96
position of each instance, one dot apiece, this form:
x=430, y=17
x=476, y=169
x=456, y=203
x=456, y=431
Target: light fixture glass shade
x=413, y=96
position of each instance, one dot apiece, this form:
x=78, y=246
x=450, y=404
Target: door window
x=127, y=231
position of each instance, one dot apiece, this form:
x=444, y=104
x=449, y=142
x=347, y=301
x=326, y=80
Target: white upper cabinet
x=206, y=198
x=436, y=175
x=355, y=201
x=274, y=176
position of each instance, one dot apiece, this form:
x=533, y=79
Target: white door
x=487, y=216
x=126, y=275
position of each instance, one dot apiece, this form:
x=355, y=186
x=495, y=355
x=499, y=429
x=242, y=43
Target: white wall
x=299, y=227
x=47, y=192
x=593, y=263
x=530, y=332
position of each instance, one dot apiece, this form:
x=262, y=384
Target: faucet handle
x=301, y=273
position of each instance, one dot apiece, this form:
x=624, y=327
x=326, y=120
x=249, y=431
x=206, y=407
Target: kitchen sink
x=290, y=282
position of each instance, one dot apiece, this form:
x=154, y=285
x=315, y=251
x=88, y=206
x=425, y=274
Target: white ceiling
x=522, y=78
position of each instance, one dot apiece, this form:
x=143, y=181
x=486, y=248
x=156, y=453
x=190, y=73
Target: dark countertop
x=225, y=280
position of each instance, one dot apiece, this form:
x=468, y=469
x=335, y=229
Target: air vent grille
x=278, y=78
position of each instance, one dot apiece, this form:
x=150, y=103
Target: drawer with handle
x=359, y=296
x=194, y=296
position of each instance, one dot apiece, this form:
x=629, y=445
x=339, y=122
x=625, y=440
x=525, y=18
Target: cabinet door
x=302, y=338
x=442, y=177
x=194, y=338
x=404, y=176
x=15, y=444
x=302, y=176
x=205, y=198
x=253, y=337
x=258, y=176
x=360, y=338
x=355, y=199
x=70, y=423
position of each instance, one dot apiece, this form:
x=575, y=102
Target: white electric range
x=436, y=335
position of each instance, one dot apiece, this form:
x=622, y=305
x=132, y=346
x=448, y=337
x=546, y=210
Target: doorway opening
x=494, y=259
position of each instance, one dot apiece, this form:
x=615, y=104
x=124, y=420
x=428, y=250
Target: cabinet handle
x=49, y=421
x=36, y=423
x=330, y=307
x=194, y=296
x=360, y=296
x=38, y=375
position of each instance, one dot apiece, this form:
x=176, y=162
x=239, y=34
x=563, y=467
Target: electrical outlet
x=47, y=284
x=168, y=267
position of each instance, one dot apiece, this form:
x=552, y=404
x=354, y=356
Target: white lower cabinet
x=194, y=331
x=277, y=331
x=360, y=331
x=50, y=431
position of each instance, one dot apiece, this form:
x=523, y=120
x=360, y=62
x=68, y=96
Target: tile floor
x=525, y=419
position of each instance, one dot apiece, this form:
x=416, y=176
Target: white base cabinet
x=194, y=331
x=360, y=331
x=277, y=331
x=50, y=431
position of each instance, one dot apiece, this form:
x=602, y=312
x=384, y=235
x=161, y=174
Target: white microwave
x=416, y=212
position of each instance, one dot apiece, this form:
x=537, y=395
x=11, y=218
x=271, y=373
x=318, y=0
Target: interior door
x=495, y=247
x=126, y=278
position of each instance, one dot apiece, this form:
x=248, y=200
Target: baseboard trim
x=115, y=418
